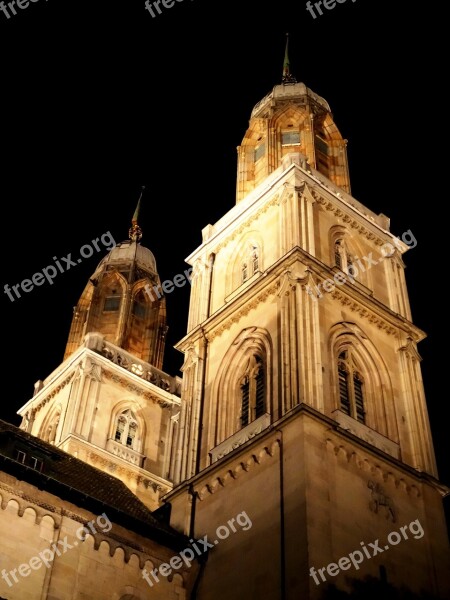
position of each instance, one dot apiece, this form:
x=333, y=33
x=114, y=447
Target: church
x=292, y=459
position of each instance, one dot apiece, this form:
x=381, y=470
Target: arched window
x=120, y=428
x=351, y=387
x=50, y=426
x=342, y=257
x=253, y=391
x=250, y=266
x=322, y=153
x=140, y=305
x=126, y=429
x=113, y=296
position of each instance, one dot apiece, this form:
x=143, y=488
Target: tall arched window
x=126, y=429
x=322, y=148
x=253, y=391
x=140, y=305
x=112, y=295
x=342, y=257
x=351, y=387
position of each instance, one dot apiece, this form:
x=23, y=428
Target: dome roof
x=290, y=91
x=129, y=252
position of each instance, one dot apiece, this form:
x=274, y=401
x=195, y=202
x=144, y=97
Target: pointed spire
x=135, y=232
x=287, y=76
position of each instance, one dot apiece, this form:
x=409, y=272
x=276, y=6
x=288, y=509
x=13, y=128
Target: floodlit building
x=297, y=439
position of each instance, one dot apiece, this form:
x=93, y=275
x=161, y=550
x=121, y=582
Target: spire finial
x=287, y=76
x=135, y=232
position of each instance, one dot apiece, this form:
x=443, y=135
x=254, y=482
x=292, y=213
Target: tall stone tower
x=109, y=403
x=302, y=399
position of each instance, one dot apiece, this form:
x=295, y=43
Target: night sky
x=99, y=98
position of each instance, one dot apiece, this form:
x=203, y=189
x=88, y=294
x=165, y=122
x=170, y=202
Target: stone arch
x=137, y=412
x=49, y=427
x=328, y=145
x=249, y=244
x=146, y=323
x=351, y=252
x=252, y=341
x=379, y=389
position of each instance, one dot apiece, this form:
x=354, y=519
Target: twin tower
x=305, y=410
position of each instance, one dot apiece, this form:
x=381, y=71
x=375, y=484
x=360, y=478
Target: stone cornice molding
x=51, y=394
x=246, y=223
x=346, y=215
x=139, y=476
x=243, y=311
x=135, y=389
x=348, y=454
x=237, y=467
x=57, y=513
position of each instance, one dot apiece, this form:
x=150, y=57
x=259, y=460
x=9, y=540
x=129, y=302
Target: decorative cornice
x=135, y=389
x=42, y=509
x=122, y=472
x=363, y=312
x=241, y=466
x=245, y=224
x=56, y=513
x=236, y=316
x=346, y=217
x=353, y=458
x=53, y=393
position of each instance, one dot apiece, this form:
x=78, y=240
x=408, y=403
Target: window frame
x=345, y=258
x=109, y=299
x=348, y=368
x=251, y=406
x=130, y=423
x=290, y=132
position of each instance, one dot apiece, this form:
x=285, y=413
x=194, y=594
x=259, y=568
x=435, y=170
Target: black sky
x=99, y=98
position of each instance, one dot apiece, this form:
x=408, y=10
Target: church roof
x=129, y=252
x=286, y=92
x=81, y=484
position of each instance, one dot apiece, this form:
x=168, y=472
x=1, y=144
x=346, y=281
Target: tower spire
x=287, y=76
x=135, y=232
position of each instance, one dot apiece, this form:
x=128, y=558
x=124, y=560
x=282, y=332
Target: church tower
x=302, y=398
x=109, y=403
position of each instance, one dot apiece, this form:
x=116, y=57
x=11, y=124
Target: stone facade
x=72, y=531
x=105, y=566
x=302, y=287
x=301, y=404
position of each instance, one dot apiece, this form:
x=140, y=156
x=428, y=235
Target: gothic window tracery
x=351, y=387
x=126, y=429
x=253, y=390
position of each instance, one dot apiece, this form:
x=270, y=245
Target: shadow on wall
x=374, y=589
